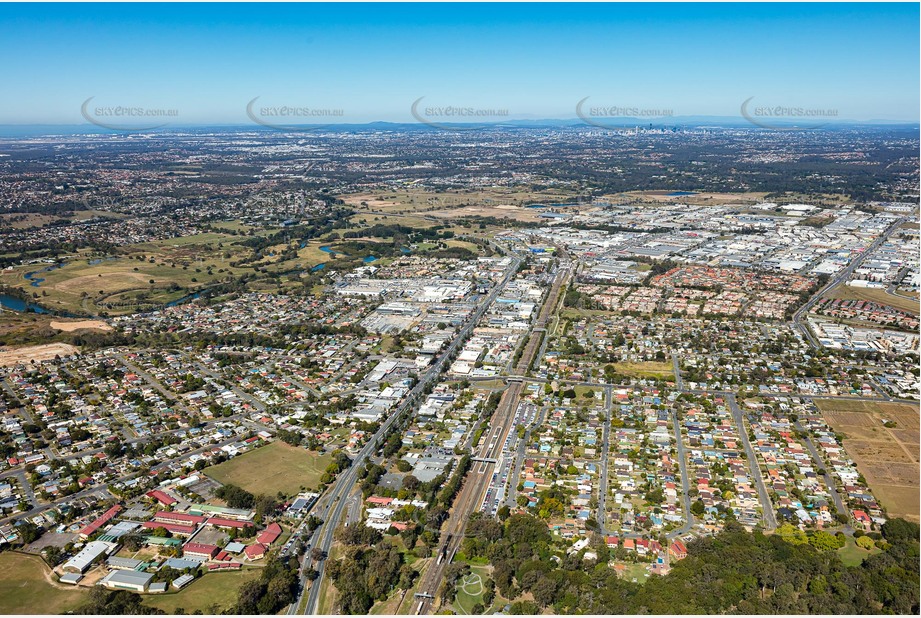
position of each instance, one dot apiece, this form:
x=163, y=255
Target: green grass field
x=636, y=571
x=277, y=467
x=25, y=587
x=851, y=555
x=212, y=594
x=118, y=279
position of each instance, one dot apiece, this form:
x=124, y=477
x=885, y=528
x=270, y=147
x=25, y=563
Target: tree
x=290, y=437
x=544, y=591
x=410, y=483
x=823, y=541
x=865, y=542
x=119, y=603
x=792, y=534
x=53, y=555
x=236, y=497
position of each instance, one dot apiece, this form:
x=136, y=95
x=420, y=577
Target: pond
x=35, y=281
x=17, y=304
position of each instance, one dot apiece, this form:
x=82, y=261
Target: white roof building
x=86, y=556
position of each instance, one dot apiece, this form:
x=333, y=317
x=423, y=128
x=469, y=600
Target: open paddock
x=900, y=500
x=886, y=456
x=877, y=450
x=648, y=369
x=421, y=200
x=500, y=211
x=908, y=437
x=276, y=467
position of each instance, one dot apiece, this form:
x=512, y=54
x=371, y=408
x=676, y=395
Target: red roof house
x=678, y=550
x=268, y=536
x=174, y=528
x=200, y=550
x=221, y=522
x=256, y=551
x=161, y=497
x=105, y=518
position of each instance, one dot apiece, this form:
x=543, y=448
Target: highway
x=334, y=501
x=470, y=496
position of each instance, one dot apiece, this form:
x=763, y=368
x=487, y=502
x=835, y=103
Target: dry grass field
x=648, y=369
x=420, y=200
x=707, y=198
x=499, y=211
x=886, y=456
x=882, y=297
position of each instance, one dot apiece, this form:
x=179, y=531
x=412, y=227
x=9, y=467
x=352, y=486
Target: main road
x=840, y=277
x=334, y=499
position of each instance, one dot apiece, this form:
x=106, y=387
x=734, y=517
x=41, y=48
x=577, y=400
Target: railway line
x=470, y=497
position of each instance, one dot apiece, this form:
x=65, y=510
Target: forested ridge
x=735, y=572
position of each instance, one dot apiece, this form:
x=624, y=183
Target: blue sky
x=537, y=61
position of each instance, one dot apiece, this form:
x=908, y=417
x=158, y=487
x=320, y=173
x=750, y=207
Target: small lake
x=369, y=258
x=17, y=304
x=680, y=193
x=318, y=267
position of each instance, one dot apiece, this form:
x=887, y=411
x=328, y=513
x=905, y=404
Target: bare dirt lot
x=69, y=327
x=887, y=456
x=15, y=356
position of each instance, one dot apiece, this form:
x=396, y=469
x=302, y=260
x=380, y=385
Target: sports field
x=28, y=586
x=212, y=593
x=277, y=467
x=886, y=456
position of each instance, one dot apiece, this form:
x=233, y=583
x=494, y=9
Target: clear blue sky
x=537, y=61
